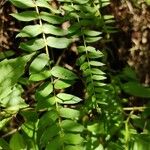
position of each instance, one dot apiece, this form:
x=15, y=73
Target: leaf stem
x=135, y=108
x=43, y=34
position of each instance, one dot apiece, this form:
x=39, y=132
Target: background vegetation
x=75, y=75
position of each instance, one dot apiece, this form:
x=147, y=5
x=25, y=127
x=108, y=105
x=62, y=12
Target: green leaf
x=77, y=147
x=29, y=129
x=96, y=63
x=75, y=28
x=129, y=74
x=45, y=89
x=30, y=31
x=142, y=142
x=23, y=4
x=50, y=29
x=108, y=17
x=45, y=4
x=39, y=63
x=63, y=73
x=96, y=54
x=98, y=84
x=48, y=119
x=6, y=54
x=69, y=113
x=98, y=77
x=14, y=101
x=84, y=66
x=32, y=45
x=96, y=128
x=4, y=145
x=91, y=33
x=30, y=116
x=116, y=146
x=17, y=142
x=11, y=72
x=55, y=144
x=26, y=16
x=82, y=49
x=68, y=98
x=81, y=60
x=4, y=122
x=97, y=71
x=92, y=39
x=73, y=139
x=71, y=126
x=49, y=133
x=59, y=43
x=136, y=89
x=51, y=18
x=75, y=1
x=44, y=102
x=62, y=84
x=40, y=76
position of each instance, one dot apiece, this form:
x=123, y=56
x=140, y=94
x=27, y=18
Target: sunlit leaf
x=84, y=66
x=61, y=84
x=40, y=76
x=76, y=147
x=59, y=43
x=50, y=29
x=30, y=31
x=71, y=126
x=73, y=139
x=92, y=39
x=91, y=33
x=10, y=73
x=39, y=63
x=23, y=4
x=4, y=122
x=69, y=113
x=14, y=101
x=96, y=128
x=45, y=89
x=29, y=129
x=47, y=119
x=32, y=45
x=97, y=71
x=68, y=98
x=45, y=4
x=51, y=18
x=96, y=63
x=63, y=73
x=98, y=77
x=96, y=54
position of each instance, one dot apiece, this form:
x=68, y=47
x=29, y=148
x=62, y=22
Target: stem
x=10, y=133
x=43, y=34
x=127, y=133
x=134, y=108
x=52, y=79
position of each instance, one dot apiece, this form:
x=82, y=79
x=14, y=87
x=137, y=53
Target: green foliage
x=57, y=118
x=11, y=73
